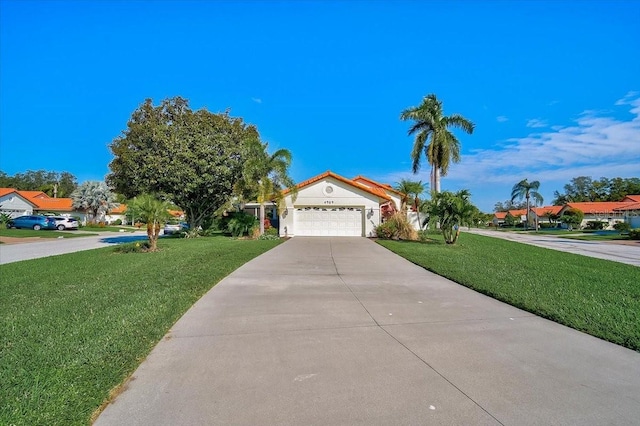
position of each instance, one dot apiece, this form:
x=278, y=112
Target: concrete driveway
x=340, y=331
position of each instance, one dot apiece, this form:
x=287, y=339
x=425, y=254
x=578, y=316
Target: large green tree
x=192, y=158
x=584, y=188
x=451, y=210
x=95, y=198
x=58, y=184
x=525, y=189
x=434, y=138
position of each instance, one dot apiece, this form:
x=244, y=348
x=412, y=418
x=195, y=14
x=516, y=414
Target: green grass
x=44, y=233
x=592, y=237
x=75, y=326
x=596, y=296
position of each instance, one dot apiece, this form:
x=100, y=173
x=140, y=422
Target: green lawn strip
x=591, y=237
x=43, y=233
x=596, y=296
x=75, y=326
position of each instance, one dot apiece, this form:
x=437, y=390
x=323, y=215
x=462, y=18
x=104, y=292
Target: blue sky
x=553, y=87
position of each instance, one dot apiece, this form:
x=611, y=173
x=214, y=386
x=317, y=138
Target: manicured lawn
x=44, y=233
x=75, y=326
x=596, y=237
x=596, y=296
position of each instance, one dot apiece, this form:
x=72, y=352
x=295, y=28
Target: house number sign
x=328, y=202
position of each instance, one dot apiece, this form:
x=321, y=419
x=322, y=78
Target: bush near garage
x=634, y=234
x=396, y=227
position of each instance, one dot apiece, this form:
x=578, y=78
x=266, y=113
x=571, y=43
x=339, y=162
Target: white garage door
x=328, y=221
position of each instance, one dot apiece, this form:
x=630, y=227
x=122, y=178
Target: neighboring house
x=15, y=204
x=117, y=213
x=601, y=211
x=541, y=214
x=332, y=205
x=520, y=215
x=631, y=211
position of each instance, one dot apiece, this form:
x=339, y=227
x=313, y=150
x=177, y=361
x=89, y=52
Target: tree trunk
x=261, y=218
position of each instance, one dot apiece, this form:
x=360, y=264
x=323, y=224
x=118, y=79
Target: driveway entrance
x=340, y=331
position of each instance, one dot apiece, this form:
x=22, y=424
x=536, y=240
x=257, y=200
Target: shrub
x=595, y=225
x=117, y=222
x=241, y=224
x=622, y=227
x=270, y=234
x=634, y=234
x=396, y=227
x=137, y=247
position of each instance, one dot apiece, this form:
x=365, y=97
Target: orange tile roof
x=634, y=198
x=118, y=210
x=33, y=194
x=379, y=192
x=500, y=215
x=597, y=207
x=541, y=211
x=385, y=186
x=5, y=191
x=58, y=204
x=629, y=206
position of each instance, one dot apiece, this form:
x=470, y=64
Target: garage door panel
x=328, y=221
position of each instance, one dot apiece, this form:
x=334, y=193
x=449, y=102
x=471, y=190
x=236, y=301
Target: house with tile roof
x=331, y=205
x=14, y=203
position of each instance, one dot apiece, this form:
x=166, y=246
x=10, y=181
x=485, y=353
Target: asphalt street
x=55, y=246
x=629, y=254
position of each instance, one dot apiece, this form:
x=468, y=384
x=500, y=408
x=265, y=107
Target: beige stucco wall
x=316, y=195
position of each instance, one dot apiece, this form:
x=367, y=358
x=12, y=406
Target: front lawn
x=68, y=337
x=43, y=233
x=596, y=296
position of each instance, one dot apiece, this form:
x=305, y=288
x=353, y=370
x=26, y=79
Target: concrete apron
x=340, y=331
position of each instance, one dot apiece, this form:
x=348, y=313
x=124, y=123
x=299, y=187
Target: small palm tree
x=433, y=137
x=95, y=198
x=525, y=189
x=154, y=213
x=451, y=210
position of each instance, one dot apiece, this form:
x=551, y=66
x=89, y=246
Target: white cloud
x=596, y=145
x=257, y=100
x=536, y=122
x=501, y=119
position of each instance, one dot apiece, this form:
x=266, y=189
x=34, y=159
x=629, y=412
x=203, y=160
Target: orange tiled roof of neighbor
x=385, y=186
x=379, y=192
x=634, y=198
x=118, y=210
x=500, y=215
x=541, y=211
x=597, y=206
x=59, y=204
x=629, y=206
x=33, y=194
x=5, y=191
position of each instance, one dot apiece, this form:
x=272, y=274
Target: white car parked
x=63, y=222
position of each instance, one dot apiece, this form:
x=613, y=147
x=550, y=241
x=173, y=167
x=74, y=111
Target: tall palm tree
x=273, y=179
x=433, y=137
x=525, y=189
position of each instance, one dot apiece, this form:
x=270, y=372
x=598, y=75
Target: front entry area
x=329, y=221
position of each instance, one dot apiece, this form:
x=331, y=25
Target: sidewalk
x=340, y=331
